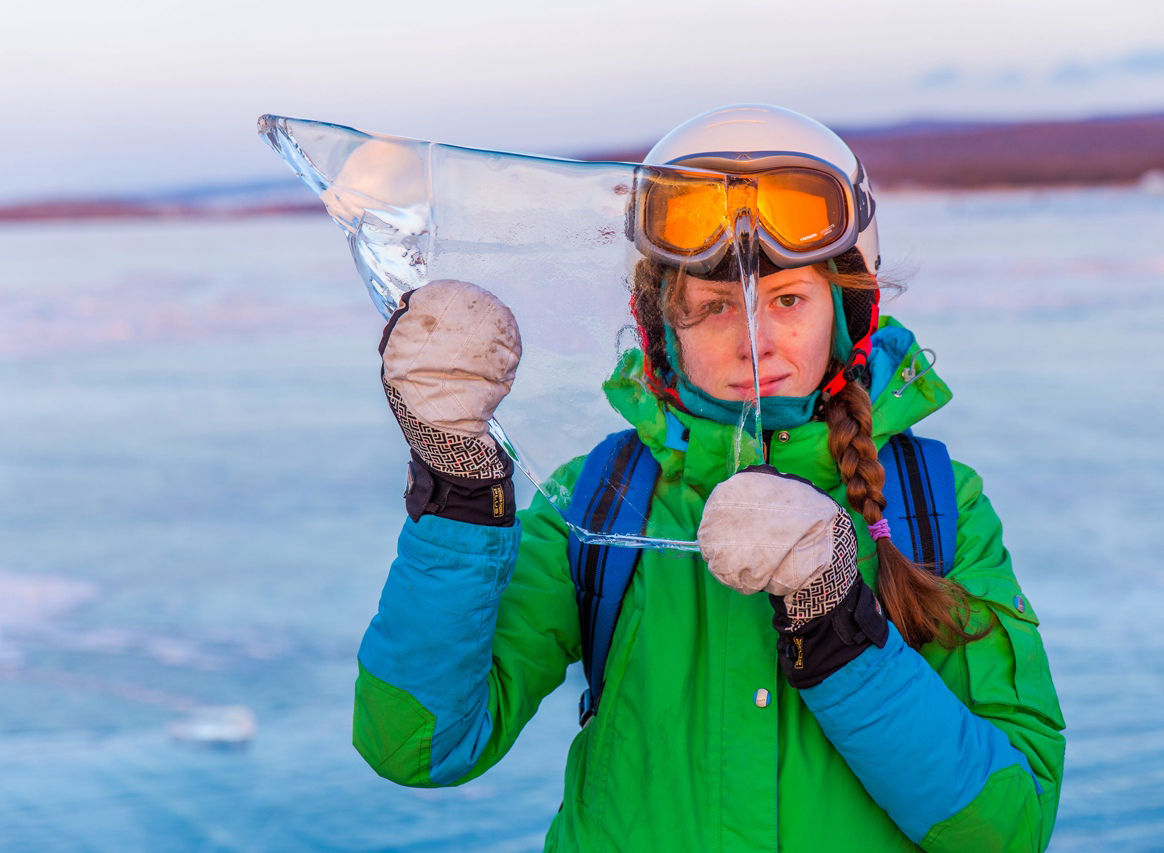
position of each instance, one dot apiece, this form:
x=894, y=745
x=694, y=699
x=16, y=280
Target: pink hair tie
x=879, y=529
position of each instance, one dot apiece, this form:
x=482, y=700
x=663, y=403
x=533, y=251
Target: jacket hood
x=704, y=453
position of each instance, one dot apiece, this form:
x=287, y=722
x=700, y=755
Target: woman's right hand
x=450, y=353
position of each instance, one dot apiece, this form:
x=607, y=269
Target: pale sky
x=137, y=95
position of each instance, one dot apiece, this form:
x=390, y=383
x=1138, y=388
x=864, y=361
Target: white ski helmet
x=820, y=207
x=758, y=138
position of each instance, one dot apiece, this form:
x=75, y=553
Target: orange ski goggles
x=801, y=210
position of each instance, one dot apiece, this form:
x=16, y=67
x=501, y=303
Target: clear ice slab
x=552, y=238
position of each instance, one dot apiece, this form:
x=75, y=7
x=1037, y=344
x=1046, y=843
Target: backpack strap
x=617, y=478
x=619, y=475
x=921, y=499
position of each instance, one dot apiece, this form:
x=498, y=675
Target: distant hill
x=926, y=154
x=216, y=201
x=1110, y=150
x=961, y=154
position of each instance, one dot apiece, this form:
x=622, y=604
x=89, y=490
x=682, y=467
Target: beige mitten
x=763, y=530
x=450, y=353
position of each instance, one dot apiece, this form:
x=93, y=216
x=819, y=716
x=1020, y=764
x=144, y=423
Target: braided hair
x=923, y=606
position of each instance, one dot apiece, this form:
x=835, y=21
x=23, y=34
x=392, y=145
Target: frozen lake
x=199, y=498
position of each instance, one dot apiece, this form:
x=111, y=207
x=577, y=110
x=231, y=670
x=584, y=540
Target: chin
x=735, y=395
x=778, y=390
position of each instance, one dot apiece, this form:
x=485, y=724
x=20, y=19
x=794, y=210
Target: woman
x=802, y=719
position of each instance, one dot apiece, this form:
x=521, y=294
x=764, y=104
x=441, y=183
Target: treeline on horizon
x=925, y=155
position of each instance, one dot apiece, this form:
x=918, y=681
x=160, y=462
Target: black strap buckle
x=586, y=708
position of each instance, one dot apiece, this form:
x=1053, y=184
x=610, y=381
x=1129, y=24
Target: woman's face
x=794, y=329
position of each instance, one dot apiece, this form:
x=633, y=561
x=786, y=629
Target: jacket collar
x=713, y=453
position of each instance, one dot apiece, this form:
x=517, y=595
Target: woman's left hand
x=763, y=530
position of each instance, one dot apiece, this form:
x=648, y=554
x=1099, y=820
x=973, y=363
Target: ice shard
x=559, y=241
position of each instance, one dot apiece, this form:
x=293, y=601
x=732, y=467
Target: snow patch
x=29, y=602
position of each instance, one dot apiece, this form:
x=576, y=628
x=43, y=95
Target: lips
x=769, y=386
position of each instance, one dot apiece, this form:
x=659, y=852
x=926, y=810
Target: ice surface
x=30, y=604
x=200, y=491
x=229, y=726
x=549, y=236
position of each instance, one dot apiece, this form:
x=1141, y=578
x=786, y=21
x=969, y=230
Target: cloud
x=1010, y=77
x=1148, y=62
x=940, y=77
x=1143, y=62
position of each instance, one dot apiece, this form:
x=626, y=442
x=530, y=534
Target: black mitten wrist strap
x=813, y=652
x=431, y=492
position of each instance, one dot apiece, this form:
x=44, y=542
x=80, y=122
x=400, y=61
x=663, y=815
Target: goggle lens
x=686, y=216
x=802, y=209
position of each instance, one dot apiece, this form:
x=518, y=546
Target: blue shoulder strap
x=921, y=502
x=618, y=476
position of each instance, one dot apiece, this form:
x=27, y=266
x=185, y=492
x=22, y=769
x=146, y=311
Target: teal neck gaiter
x=775, y=412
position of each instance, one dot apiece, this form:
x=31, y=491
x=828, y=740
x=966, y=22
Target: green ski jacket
x=476, y=625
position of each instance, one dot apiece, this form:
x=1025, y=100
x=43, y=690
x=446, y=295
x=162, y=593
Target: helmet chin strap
x=856, y=369
x=856, y=365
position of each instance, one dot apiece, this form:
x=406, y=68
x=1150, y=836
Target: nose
x=765, y=339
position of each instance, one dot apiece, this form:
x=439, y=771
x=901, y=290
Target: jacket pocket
x=602, y=734
x=1009, y=665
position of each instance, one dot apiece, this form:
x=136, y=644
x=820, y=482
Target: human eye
x=787, y=300
x=711, y=306
x=706, y=300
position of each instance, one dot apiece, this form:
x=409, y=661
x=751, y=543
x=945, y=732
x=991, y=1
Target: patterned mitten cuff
x=813, y=651
x=829, y=587
x=455, y=456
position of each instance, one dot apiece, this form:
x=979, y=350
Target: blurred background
x=199, y=480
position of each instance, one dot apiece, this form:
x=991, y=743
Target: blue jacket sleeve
x=920, y=753
x=432, y=635
x=961, y=746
